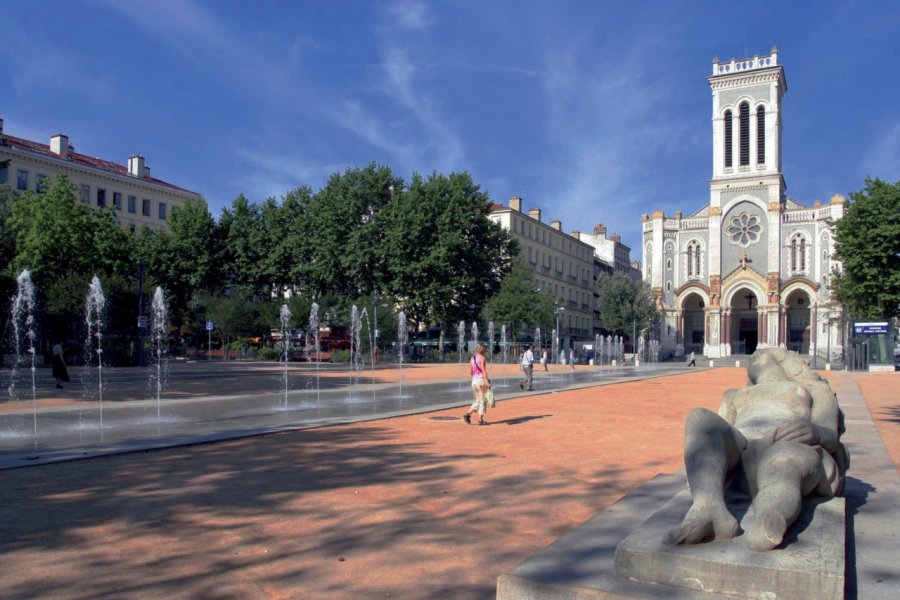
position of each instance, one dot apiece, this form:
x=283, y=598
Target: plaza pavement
x=418, y=506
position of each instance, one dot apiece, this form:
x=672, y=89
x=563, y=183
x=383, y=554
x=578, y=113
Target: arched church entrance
x=694, y=323
x=797, y=328
x=744, y=322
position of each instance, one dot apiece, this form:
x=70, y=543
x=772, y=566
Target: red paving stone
x=413, y=507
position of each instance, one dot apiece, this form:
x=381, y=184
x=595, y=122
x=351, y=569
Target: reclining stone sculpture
x=777, y=440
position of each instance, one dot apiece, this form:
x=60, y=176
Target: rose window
x=744, y=229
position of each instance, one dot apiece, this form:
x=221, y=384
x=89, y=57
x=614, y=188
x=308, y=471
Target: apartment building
x=563, y=264
x=139, y=200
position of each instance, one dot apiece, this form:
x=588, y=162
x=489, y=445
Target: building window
x=145, y=207
x=40, y=183
x=101, y=197
x=117, y=200
x=4, y=173
x=727, y=142
x=693, y=259
x=85, y=194
x=162, y=211
x=744, y=116
x=21, y=180
x=132, y=204
x=798, y=254
x=761, y=135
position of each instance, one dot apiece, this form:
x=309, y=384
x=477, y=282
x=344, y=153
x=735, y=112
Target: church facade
x=752, y=267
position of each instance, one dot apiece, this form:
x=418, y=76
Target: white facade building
x=138, y=199
x=562, y=264
x=752, y=267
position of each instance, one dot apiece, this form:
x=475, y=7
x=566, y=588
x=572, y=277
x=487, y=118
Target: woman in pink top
x=481, y=383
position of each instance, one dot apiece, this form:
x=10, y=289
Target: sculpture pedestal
x=808, y=564
x=582, y=564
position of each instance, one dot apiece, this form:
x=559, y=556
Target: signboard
x=210, y=326
x=870, y=328
x=142, y=321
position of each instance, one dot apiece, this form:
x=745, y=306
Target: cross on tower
x=744, y=259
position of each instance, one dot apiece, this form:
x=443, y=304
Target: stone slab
x=581, y=564
x=809, y=564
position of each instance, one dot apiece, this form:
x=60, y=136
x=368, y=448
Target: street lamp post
x=815, y=329
x=558, y=332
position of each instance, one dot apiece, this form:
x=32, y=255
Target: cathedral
x=751, y=268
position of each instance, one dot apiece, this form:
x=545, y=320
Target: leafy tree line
x=867, y=241
x=427, y=247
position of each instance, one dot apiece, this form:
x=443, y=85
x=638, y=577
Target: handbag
x=489, y=399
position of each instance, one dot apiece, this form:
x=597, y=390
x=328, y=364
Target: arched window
x=727, y=140
x=761, y=135
x=693, y=259
x=744, y=116
x=798, y=254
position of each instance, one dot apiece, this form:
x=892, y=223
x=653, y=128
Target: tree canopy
x=520, y=303
x=444, y=256
x=625, y=303
x=64, y=243
x=867, y=242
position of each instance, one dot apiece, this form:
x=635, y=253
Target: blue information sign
x=210, y=326
x=872, y=328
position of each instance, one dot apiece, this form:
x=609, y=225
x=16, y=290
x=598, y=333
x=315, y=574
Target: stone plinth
x=582, y=564
x=810, y=563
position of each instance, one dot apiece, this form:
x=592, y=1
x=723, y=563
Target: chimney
x=136, y=167
x=535, y=213
x=515, y=203
x=556, y=224
x=600, y=229
x=616, y=238
x=59, y=144
x=576, y=234
x=678, y=214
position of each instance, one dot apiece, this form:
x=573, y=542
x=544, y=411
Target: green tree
x=625, y=303
x=235, y=314
x=7, y=241
x=445, y=257
x=184, y=259
x=520, y=303
x=867, y=242
x=246, y=244
x=343, y=225
x=64, y=243
x=290, y=245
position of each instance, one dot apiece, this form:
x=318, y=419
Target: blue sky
x=591, y=111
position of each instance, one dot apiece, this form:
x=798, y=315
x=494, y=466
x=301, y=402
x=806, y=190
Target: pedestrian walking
x=572, y=357
x=528, y=369
x=545, y=358
x=58, y=360
x=693, y=360
x=481, y=385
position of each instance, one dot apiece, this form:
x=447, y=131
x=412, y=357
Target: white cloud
x=410, y=15
x=606, y=130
